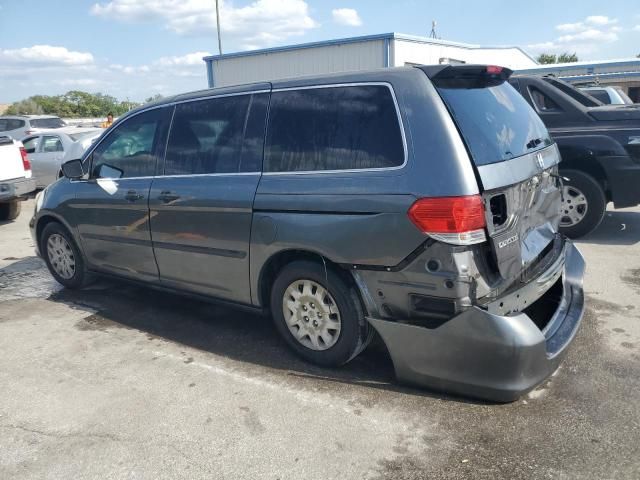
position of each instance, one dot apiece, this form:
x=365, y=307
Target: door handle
x=133, y=196
x=167, y=197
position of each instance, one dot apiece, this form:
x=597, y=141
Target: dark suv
x=419, y=202
x=600, y=148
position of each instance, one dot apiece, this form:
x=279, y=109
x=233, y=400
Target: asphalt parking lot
x=118, y=381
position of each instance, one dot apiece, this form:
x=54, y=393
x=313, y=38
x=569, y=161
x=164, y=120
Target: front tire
x=62, y=256
x=583, y=206
x=318, y=314
x=10, y=210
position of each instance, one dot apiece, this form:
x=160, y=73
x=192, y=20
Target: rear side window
x=51, y=144
x=47, y=123
x=335, y=128
x=496, y=122
x=206, y=136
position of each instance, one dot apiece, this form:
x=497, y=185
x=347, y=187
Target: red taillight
x=457, y=220
x=494, y=70
x=25, y=160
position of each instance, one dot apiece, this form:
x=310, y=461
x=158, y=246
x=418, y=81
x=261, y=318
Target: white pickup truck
x=16, y=181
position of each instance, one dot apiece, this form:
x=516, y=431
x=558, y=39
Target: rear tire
x=325, y=327
x=10, y=210
x=62, y=256
x=583, y=206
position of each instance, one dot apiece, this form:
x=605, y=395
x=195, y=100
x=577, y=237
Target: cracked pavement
x=118, y=381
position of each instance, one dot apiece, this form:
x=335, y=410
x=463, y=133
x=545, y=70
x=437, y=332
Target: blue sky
x=136, y=48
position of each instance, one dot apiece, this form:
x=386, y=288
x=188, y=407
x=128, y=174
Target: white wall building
x=350, y=54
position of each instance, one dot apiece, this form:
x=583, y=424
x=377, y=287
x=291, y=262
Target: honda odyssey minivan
x=421, y=203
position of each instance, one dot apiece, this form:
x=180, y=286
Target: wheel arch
x=45, y=219
x=276, y=262
x=586, y=162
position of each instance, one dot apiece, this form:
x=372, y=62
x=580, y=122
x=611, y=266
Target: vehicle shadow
x=238, y=335
x=618, y=227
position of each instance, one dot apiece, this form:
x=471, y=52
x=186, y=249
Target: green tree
x=549, y=58
x=74, y=103
x=24, y=107
x=567, y=57
x=546, y=58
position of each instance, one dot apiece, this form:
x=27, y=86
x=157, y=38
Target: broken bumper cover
x=487, y=355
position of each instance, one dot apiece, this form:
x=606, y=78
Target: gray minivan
x=420, y=203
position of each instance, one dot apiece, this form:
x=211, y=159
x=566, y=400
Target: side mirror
x=73, y=169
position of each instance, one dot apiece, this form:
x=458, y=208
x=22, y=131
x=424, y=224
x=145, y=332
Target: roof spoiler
x=466, y=71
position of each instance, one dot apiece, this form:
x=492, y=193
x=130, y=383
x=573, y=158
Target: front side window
x=31, y=144
x=206, y=136
x=131, y=149
x=334, y=128
x=51, y=144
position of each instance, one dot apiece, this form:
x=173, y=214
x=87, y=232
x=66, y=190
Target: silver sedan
x=49, y=149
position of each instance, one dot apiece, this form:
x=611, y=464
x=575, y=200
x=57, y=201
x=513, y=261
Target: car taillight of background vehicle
x=25, y=160
x=456, y=220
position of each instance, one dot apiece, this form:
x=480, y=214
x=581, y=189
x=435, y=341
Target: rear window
x=333, y=128
x=47, y=123
x=574, y=93
x=495, y=121
x=7, y=124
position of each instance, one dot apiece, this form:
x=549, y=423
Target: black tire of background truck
x=10, y=210
x=80, y=278
x=355, y=331
x=596, y=203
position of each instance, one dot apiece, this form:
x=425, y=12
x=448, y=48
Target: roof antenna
x=433, y=33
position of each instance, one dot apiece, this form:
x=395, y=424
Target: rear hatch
x=11, y=166
x=515, y=161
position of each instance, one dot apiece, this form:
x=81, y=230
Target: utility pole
x=218, y=28
x=433, y=30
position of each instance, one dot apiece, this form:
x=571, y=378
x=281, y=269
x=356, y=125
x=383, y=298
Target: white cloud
x=261, y=23
x=570, y=27
x=600, y=20
x=583, y=37
x=636, y=28
x=44, y=55
x=190, y=59
x=25, y=75
x=589, y=36
x=346, y=16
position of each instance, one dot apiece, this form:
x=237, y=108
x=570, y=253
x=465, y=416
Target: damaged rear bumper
x=488, y=355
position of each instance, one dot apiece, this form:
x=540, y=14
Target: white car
x=49, y=149
x=19, y=126
x=16, y=180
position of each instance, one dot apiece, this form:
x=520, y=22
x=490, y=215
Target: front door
x=201, y=207
x=112, y=206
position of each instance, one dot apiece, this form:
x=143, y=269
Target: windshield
x=47, y=122
x=496, y=122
